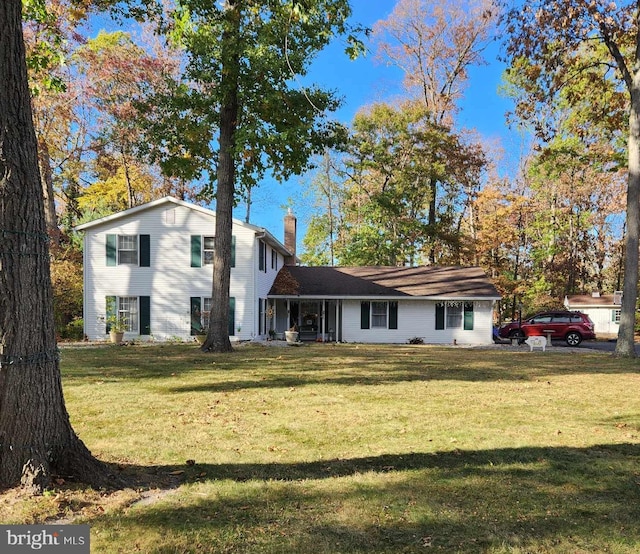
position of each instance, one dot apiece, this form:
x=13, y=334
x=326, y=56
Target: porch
x=316, y=320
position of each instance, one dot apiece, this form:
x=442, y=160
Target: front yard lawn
x=352, y=448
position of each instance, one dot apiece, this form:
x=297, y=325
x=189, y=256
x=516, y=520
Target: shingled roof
x=426, y=281
x=581, y=300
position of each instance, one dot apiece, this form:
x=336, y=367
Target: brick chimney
x=290, y=223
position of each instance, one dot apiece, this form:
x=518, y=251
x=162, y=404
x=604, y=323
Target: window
x=615, y=316
x=128, y=250
x=128, y=311
x=541, y=319
x=207, y=304
x=561, y=318
x=207, y=250
x=134, y=311
x=454, y=315
x=274, y=259
x=378, y=315
x=201, y=309
x=203, y=247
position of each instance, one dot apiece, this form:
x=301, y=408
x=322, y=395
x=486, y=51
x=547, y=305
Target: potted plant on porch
x=291, y=335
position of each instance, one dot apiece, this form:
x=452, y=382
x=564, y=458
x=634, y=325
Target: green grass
x=354, y=448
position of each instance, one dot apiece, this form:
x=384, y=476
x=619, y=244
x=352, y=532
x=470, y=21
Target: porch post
x=273, y=324
x=288, y=315
x=322, y=325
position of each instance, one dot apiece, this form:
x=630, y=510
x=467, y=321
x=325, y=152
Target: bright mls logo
x=67, y=539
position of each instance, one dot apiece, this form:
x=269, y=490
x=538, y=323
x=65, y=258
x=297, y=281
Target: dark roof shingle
x=371, y=281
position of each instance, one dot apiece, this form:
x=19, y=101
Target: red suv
x=573, y=327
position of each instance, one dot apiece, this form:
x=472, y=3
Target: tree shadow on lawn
x=588, y=499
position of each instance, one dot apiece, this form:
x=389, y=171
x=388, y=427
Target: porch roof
x=376, y=281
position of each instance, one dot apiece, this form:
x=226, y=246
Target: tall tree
x=120, y=76
x=505, y=206
x=434, y=43
x=327, y=192
x=554, y=41
x=36, y=437
x=394, y=154
x=45, y=31
x=246, y=57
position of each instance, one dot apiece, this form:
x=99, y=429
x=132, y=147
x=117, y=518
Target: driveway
x=603, y=345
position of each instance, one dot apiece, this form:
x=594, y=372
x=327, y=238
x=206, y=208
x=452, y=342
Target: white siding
x=417, y=318
x=170, y=282
x=602, y=319
x=264, y=281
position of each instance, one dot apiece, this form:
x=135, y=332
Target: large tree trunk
x=36, y=438
x=625, y=345
x=218, y=337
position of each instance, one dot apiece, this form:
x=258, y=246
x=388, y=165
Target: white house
x=440, y=305
x=151, y=266
x=603, y=309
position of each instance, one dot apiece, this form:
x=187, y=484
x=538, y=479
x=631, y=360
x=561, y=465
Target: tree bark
x=218, y=335
x=36, y=437
x=626, y=344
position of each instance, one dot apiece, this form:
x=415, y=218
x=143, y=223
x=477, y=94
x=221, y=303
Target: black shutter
x=196, y=324
x=145, y=251
x=196, y=251
x=233, y=251
x=261, y=254
x=232, y=316
x=261, y=308
x=393, y=315
x=112, y=250
x=439, y=316
x=365, y=309
x=145, y=315
x=468, y=316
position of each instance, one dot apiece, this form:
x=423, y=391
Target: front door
x=309, y=320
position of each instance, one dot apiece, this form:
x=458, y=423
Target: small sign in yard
x=536, y=342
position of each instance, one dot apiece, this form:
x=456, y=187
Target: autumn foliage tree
x=36, y=437
x=434, y=43
x=394, y=154
x=552, y=43
x=244, y=58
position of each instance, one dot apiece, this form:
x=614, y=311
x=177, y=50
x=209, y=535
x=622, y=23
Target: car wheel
x=573, y=338
x=517, y=334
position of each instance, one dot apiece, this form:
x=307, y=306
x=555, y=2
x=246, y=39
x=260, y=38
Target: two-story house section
x=151, y=267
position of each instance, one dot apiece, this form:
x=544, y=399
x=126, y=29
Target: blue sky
x=362, y=82
x=365, y=81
